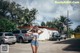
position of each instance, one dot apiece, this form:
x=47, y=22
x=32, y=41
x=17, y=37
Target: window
x=8, y=34
x=24, y=31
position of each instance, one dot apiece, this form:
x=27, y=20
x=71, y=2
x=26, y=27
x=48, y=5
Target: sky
x=49, y=10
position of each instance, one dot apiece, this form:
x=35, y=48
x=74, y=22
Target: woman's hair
x=35, y=27
x=34, y=30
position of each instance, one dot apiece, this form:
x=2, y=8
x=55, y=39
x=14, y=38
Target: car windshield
x=16, y=32
x=24, y=31
x=8, y=34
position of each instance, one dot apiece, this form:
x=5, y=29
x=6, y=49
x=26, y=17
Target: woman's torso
x=35, y=36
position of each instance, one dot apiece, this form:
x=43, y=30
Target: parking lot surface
x=46, y=47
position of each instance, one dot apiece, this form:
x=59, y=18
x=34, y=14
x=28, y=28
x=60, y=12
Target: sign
x=4, y=48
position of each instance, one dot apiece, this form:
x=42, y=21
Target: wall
x=46, y=34
x=77, y=35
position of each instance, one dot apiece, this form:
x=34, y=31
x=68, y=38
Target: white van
x=55, y=35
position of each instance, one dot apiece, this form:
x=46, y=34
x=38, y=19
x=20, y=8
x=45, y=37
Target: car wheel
x=29, y=40
x=2, y=42
x=20, y=40
x=64, y=38
x=59, y=39
x=13, y=42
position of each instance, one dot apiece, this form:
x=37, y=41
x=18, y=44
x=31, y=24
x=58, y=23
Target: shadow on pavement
x=24, y=43
x=74, y=44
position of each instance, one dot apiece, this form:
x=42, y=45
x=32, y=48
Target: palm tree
x=65, y=23
x=60, y=24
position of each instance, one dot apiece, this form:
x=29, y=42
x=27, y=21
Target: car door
x=24, y=34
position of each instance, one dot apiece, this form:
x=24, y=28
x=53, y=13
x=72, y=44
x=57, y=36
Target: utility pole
x=67, y=24
x=27, y=3
x=10, y=1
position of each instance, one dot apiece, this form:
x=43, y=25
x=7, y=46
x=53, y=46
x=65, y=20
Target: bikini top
x=36, y=35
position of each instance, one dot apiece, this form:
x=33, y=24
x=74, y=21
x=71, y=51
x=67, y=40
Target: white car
x=7, y=37
x=63, y=36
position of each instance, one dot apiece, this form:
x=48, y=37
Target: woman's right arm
x=29, y=31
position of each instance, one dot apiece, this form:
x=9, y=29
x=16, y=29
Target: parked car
x=7, y=37
x=22, y=36
x=63, y=36
x=56, y=36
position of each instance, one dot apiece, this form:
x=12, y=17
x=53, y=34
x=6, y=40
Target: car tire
x=29, y=40
x=2, y=42
x=20, y=40
x=65, y=38
x=13, y=42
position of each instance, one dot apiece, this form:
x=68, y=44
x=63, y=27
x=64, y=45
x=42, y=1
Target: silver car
x=22, y=36
x=7, y=37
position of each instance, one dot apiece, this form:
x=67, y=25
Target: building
x=47, y=32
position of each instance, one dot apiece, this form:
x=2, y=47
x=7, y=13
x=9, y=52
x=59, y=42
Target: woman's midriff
x=34, y=38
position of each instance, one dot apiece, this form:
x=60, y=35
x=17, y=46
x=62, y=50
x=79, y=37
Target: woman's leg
x=33, y=48
x=36, y=48
x=34, y=45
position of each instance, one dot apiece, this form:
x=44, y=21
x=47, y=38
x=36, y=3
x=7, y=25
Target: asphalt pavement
x=63, y=46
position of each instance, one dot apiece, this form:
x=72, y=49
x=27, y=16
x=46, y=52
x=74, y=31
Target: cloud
x=75, y=16
x=48, y=10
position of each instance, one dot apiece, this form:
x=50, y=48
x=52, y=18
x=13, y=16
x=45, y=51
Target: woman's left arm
x=40, y=31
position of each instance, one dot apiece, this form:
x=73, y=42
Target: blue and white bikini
x=35, y=39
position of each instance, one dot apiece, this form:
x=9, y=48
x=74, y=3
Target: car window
x=8, y=34
x=16, y=32
x=1, y=34
x=24, y=31
x=55, y=33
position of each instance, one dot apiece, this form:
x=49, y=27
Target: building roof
x=27, y=27
x=47, y=28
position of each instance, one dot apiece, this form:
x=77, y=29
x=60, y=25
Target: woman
x=34, y=43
